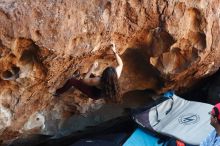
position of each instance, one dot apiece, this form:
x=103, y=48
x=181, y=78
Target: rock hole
x=30, y=54
x=15, y=70
x=11, y=74
x=6, y=75
x=37, y=32
x=12, y=55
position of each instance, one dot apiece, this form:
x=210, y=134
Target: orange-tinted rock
x=164, y=45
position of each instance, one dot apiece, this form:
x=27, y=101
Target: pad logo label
x=189, y=119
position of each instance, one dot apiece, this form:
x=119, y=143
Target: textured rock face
x=164, y=45
x=194, y=51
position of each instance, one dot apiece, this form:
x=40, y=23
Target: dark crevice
x=11, y=74
x=6, y=75
x=31, y=54
x=15, y=70
x=206, y=90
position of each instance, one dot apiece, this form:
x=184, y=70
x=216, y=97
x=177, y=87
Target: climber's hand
x=95, y=64
x=113, y=48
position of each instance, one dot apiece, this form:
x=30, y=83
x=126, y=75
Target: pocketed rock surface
x=164, y=44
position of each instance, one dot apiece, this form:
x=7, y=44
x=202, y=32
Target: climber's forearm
x=89, y=72
x=120, y=65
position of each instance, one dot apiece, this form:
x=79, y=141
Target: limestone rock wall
x=164, y=45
